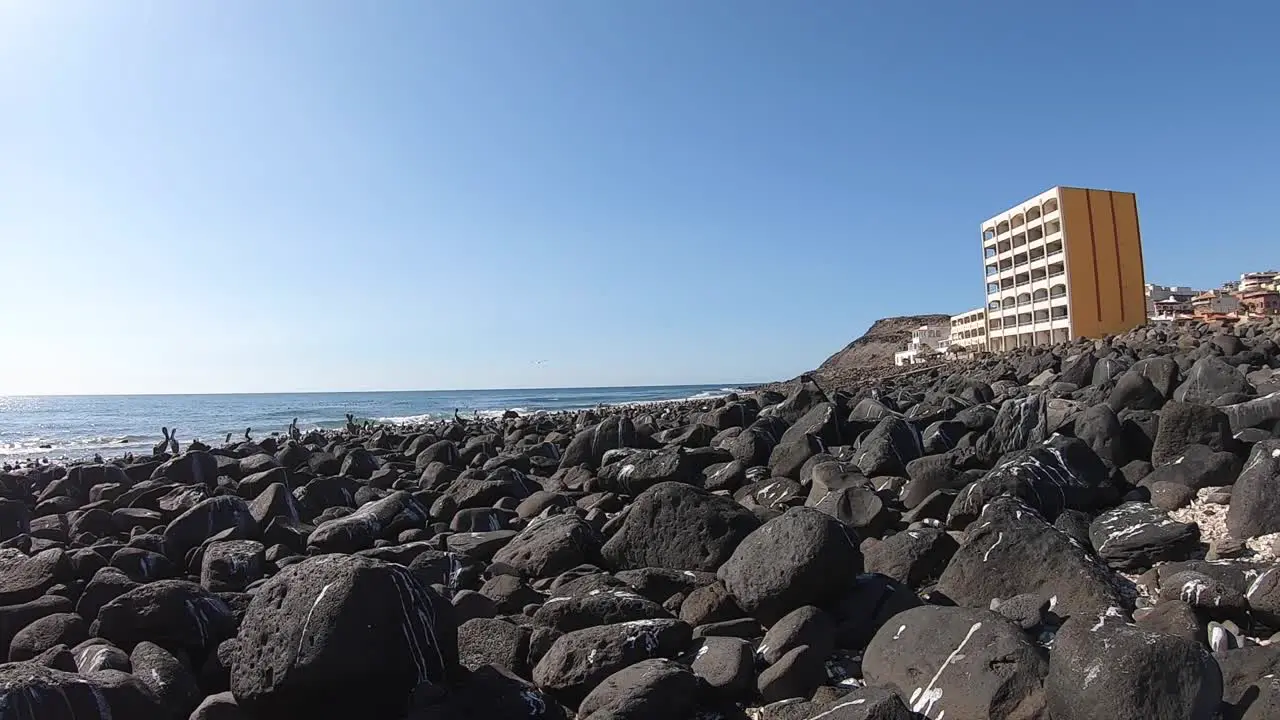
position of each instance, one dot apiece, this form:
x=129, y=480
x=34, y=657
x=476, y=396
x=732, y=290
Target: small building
x=1156, y=293
x=1214, y=302
x=969, y=330
x=1261, y=301
x=926, y=340
x=1264, y=280
x=1172, y=308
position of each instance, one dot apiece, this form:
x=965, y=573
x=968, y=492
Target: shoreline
x=334, y=429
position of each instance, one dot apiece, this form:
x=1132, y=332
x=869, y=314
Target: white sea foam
x=405, y=419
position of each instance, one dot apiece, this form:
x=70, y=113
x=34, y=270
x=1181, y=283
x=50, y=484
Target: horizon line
x=366, y=392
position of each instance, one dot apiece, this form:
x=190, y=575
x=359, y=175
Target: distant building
x=1172, y=308
x=1064, y=264
x=1214, y=302
x=1262, y=301
x=926, y=340
x=1156, y=293
x=969, y=330
x=1265, y=280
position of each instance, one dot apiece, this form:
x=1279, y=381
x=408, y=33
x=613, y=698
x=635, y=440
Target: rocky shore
x=1073, y=533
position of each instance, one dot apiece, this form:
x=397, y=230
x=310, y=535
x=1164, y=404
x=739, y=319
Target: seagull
x=539, y=362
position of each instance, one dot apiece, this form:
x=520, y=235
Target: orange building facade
x=1062, y=265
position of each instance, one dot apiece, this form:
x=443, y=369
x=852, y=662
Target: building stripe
x=1115, y=234
x=1142, y=262
x=1093, y=243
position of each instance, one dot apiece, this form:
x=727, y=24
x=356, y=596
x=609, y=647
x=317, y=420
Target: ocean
x=76, y=427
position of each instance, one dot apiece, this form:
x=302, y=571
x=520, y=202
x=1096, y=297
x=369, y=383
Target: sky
x=240, y=196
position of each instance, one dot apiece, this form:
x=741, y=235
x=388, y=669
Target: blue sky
x=311, y=195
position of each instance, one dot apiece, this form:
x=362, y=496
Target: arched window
x=1058, y=291
x=1050, y=205
x=1040, y=294
x=1003, y=227
x=993, y=305
x=1033, y=214
x=1017, y=221
x=1009, y=302
x=1024, y=298
x=988, y=233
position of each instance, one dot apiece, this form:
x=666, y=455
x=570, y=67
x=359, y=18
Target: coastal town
x=1068, y=264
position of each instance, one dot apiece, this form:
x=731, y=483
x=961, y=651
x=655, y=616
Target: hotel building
x=1064, y=264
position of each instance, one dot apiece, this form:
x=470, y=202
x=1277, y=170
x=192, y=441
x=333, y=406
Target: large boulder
x=589, y=446
x=1032, y=556
x=1161, y=372
x=889, y=447
x=491, y=691
x=673, y=525
x=913, y=557
x=1102, y=667
x=30, y=691
x=206, y=519
x=341, y=636
x=657, y=688
x=1255, y=499
x=1209, y=379
x=1059, y=474
x=547, y=547
x=958, y=662
x=24, y=578
x=598, y=606
x=1133, y=391
x=1261, y=412
x=804, y=398
x=803, y=557
x=373, y=521
x=822, y=421
x=1186, y=424
x=195, y=467
x=646, y=468
x=1020, y=423
x=579, y=661
x=1135, y=536
x=174, y=614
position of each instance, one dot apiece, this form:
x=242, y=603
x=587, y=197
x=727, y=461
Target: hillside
x=871, y=355
x=876, y=347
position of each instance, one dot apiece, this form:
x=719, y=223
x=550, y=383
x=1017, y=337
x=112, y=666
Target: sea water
x=73, y=427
